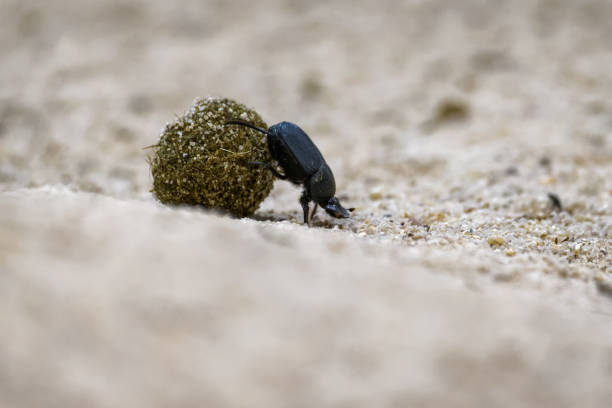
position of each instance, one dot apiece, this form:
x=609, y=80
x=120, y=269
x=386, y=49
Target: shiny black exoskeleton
x=302, y=164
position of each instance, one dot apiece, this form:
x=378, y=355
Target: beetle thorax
x=322, y=185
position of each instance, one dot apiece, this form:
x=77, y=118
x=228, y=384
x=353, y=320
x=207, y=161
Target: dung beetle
x=302, y=164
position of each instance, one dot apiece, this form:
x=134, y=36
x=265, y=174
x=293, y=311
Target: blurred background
x=85, y=86
x=456, y=282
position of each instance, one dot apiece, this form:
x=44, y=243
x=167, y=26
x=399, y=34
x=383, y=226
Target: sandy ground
x=457, y=282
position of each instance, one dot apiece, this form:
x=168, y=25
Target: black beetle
x=302, y=164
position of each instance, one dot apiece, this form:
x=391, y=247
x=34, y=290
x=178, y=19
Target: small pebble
x=546, y=180
x=375, y=195
x=496, y=241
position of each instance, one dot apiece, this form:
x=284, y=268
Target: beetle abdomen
x=296, y=154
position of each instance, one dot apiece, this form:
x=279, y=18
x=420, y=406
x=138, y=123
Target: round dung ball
x=201, y=161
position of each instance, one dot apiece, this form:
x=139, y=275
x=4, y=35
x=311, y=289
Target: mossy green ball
x=201, y=161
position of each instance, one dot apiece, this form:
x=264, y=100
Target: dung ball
x=201, y=161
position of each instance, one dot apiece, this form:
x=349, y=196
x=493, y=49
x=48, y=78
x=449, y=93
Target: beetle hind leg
x=267, y=166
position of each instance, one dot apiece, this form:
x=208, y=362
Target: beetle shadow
x=275, y=217
x=317, y=222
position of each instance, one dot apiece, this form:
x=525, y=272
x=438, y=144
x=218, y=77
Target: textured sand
x=457, y=282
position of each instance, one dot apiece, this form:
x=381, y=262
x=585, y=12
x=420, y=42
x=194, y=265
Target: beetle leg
x=314, y=211
x=269, y=167
x=304, y=200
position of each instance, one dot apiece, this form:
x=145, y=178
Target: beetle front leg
x=314, y=211
x=304, y=200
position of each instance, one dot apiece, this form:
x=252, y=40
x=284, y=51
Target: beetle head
x=334, y=208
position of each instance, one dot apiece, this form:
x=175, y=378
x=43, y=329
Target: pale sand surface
x=455, y=283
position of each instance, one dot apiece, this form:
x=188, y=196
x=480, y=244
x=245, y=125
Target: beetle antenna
x=247, y=124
